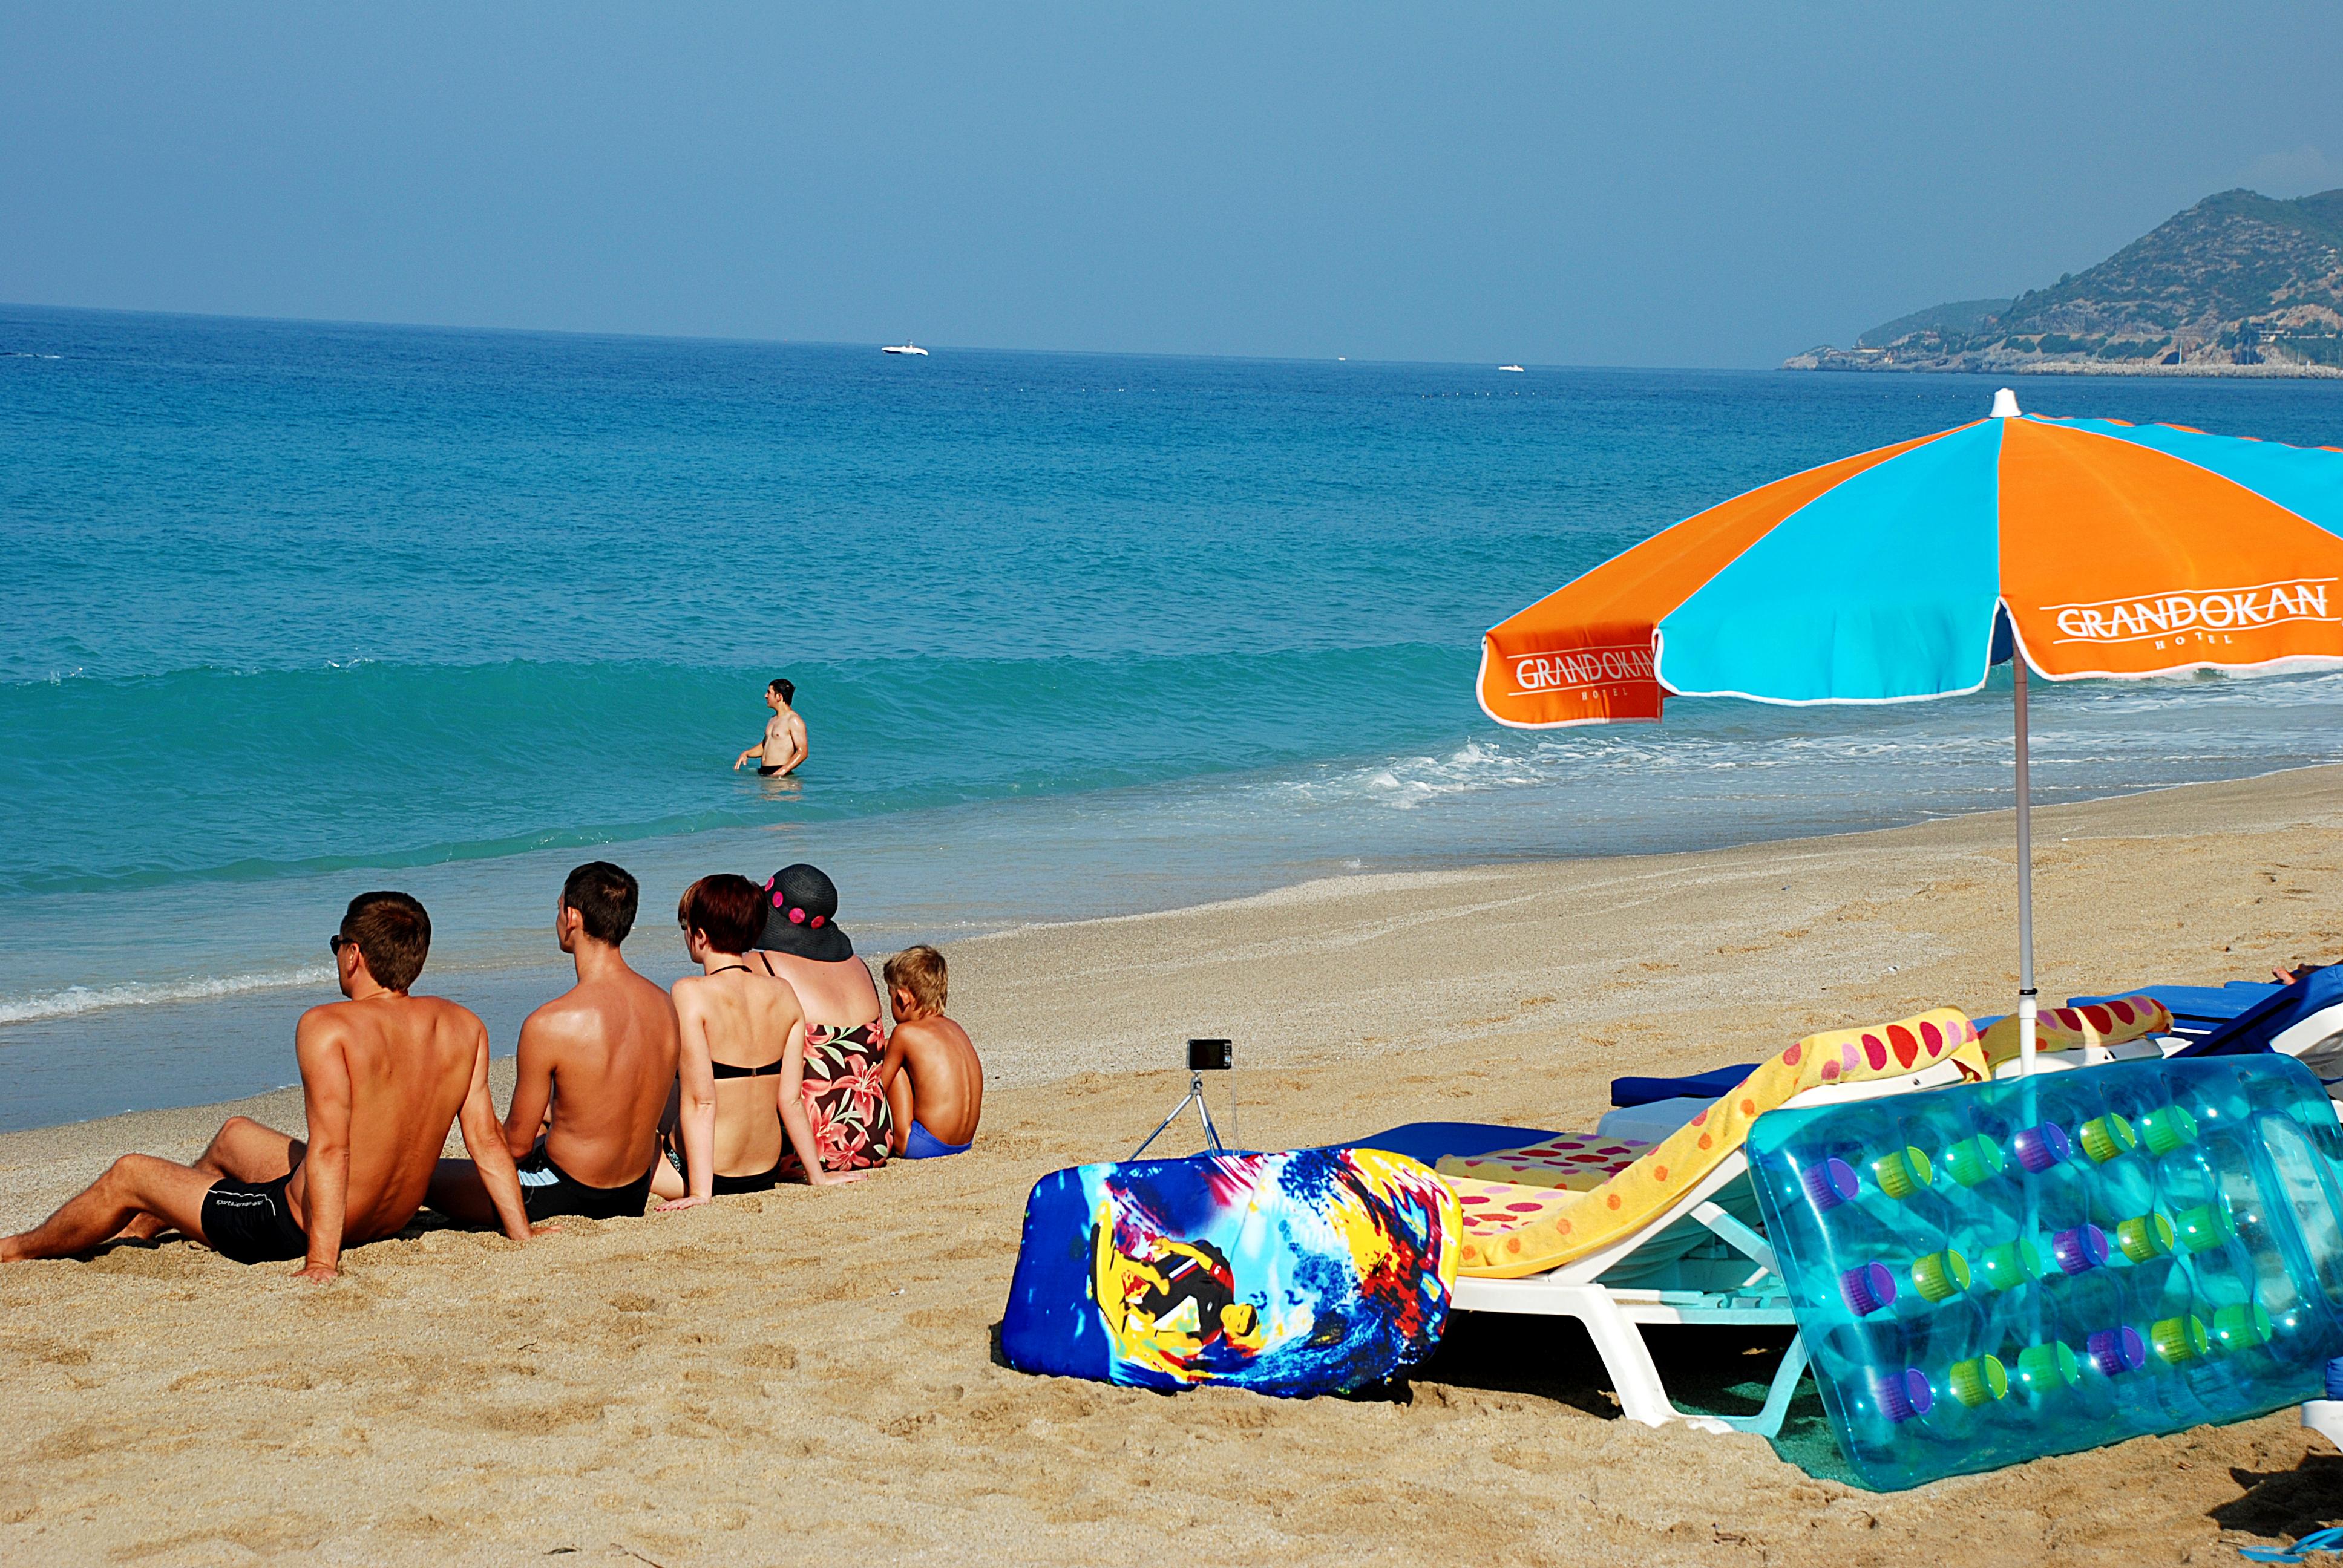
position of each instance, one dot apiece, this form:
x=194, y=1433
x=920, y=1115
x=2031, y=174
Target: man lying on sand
x=592, y=1078
x=934, y=1081
x=382, y=1076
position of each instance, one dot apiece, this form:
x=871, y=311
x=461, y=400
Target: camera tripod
x=1203, y=1114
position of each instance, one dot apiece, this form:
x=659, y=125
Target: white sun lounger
x=1701, y=1261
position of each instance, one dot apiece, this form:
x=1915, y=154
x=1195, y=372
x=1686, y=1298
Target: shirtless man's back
x=785, y=744
x=402, y=1066
x=383, y=1075
x=594, y=1069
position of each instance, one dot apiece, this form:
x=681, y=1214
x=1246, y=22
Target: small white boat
x=906, y=346
x=1514, y=368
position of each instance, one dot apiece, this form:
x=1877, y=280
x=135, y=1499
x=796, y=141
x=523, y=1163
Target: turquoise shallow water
x=296, y=609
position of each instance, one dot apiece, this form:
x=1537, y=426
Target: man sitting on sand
x=382, y=1076
x=935, y=1084
x=784, y=745
x=596, y=1061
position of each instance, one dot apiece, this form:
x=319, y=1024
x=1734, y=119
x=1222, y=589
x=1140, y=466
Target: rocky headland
x=2238, y=284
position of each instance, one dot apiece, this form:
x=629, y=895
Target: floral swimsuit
x=853, y=1125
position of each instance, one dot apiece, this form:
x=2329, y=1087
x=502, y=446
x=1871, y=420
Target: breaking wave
x=81, y=998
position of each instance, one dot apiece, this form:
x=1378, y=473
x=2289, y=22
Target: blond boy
x=934, y=1081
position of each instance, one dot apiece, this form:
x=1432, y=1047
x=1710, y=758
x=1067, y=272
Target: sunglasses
x=336, y=944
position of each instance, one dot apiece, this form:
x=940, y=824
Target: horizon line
x=860, y=343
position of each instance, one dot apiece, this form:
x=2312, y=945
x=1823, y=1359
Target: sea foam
x=82, y=999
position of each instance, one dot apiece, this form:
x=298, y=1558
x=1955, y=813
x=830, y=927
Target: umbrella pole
x=2026, y=1000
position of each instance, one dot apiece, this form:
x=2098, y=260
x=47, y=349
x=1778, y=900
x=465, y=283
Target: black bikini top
x=726, y=1068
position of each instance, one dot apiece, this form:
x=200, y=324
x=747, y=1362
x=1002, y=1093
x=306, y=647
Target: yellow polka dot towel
x=2073, y=1028
x=1575, y=1162
x=1556, y=1228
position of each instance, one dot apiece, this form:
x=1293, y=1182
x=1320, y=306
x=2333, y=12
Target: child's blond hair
x=921, y=971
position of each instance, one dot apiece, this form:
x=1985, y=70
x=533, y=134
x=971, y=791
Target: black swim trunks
x=767, y=772
x=720, y=1185
x=547, y=1190
x=723, y=1186
x=251, y=1221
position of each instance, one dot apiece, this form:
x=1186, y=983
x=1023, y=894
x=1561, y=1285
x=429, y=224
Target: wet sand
x=810, y=1375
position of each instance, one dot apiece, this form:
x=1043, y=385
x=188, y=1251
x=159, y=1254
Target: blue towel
x=2194, y=1008
x=1428, y=1140
x=2254, y=1029
x=1716, y=1080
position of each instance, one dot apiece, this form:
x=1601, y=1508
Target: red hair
x=728, y=910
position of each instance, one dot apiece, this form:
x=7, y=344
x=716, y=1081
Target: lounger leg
x=1767, y=1422
x=1635, y=1376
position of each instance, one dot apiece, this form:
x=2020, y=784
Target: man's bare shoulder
x=433, y=1007
x=450, y=1016
x=328, y=1023
x=575, y=1013
x=423, y=1004
x=642, y=988
x=328, y=1014
x=362, y=1025
x=592, y=1009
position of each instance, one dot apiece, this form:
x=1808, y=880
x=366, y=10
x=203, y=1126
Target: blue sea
x=294, y=609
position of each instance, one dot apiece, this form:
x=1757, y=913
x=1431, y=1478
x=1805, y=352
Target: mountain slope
x=2239, y=283
x=1963, y=316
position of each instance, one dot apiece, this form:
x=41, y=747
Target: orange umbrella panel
x=2113, y=549
x=2130, y=551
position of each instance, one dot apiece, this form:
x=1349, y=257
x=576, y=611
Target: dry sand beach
x=809, y=1376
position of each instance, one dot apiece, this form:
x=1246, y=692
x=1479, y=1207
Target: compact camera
x=1203, y=1056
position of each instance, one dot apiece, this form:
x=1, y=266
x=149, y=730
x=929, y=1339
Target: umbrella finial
x=2005, y=405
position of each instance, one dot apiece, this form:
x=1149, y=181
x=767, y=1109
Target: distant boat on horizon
x=906, y=346
x=1514, y=368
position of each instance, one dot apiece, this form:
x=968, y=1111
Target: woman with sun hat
x=844, y=1041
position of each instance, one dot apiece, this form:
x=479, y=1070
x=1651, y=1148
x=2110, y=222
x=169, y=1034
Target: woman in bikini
x=732, y=1120
x=843, y=1094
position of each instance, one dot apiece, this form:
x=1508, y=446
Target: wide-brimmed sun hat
x=802, y=916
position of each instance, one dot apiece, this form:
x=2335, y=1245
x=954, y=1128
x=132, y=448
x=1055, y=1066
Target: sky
x=1672, y=184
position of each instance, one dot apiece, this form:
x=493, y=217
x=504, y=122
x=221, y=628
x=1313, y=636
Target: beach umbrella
x=2077, y=548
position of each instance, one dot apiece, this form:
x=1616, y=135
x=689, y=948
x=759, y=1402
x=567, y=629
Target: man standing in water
x=784, y=745
x=382, y=1076
x=591, y=1074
